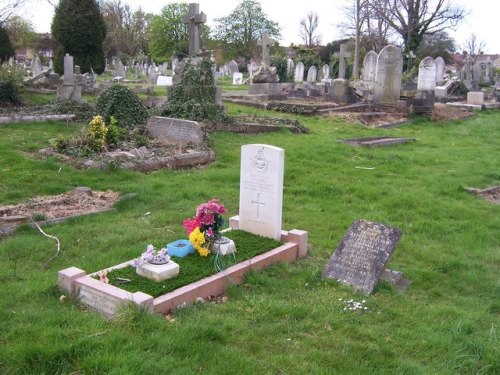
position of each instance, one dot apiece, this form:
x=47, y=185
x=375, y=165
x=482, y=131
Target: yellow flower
x=197, y=238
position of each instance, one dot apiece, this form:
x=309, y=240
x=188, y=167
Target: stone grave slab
x=174, y=130
x=377, y=141
x=261, y=189
x=361, y=256
x=164, y=81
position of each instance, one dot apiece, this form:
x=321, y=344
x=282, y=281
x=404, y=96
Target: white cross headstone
x=343, y=55
x=261, y=189
x=265, y=42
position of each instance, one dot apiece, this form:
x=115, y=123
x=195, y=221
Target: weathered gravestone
x=325, y=72
x=119, y=70
x=173, y=130
x=265, y=42
x=69, y=90
x=440, y=65
x=37, y=66
x=232, y=67
x=426, y=86
x=312, y=74
x=370, y=69
x=343, y=55
x=299, y=72
x=388, y=76
x=290, y=65
x=261, y=189
x=361, y=256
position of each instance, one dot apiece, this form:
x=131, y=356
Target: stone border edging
x=35, y=118
x=107, y=299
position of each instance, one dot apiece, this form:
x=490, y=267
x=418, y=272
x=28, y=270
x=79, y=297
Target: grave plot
x=47, y=210
x=260, y=214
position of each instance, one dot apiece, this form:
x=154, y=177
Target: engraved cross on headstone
x=343, y=55
x=258, y=203
x=265, y=42
x=193, y=19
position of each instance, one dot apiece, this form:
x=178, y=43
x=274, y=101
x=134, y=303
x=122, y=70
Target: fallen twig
x=49, y=236
x=367, y=168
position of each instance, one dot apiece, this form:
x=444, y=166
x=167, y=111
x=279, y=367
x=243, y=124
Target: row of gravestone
x=476, y=73
x=142, y=69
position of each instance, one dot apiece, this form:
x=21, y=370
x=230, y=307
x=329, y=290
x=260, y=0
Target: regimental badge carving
x=260, y=162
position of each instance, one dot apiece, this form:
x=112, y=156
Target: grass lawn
x=285, y=319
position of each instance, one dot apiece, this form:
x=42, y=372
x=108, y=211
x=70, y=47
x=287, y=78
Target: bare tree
x=412, y=19
x=308, y=30
x=7, y=7
x=474, y=46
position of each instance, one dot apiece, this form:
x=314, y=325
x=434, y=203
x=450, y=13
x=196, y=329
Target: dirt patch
x=76, y=202
x=491, y=194
x=442, y=112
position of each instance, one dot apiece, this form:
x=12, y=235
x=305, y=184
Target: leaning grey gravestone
x=361, y=256
x=265, y=42
x=173, y=130
x=193, y=19
x=343, y=55
x=299, y=72
x=440, y=65
x=312, y=74
x=261, y=189
x=388, y=76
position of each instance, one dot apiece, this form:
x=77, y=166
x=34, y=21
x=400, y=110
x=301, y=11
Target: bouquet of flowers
x=204, y=228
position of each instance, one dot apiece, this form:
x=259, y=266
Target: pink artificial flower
x=209, y=232
x=190, y=225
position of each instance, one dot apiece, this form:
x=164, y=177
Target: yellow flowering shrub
x=97, y=133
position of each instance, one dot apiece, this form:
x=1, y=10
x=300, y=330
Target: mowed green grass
x=286, y=319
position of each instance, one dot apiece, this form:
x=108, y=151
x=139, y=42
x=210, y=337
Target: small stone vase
x=223, y=246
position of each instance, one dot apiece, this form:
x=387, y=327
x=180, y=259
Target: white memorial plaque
x=101, y=302
x=261, y=189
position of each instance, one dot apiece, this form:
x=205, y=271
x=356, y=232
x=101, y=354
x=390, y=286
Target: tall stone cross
x=265, y=42
x=343, y=55
x=193, y=19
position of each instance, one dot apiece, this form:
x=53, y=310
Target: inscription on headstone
x=172, y=130
x=361, y=256
x=101, y=302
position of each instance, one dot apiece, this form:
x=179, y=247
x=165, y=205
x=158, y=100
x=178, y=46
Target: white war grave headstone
x=261, y=189
x=388, y=76
x=299, y=72
x=361, y=256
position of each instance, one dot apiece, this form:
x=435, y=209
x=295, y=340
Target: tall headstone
x=467, y=72
x=343, y=55
x=440, y=65
x=36, y=66
x=290, y=65
x=370, y=68
x=423, y=101
x=175, y=62
x=299, y=72
x=193, y=19
x=388, y=76
x=232, y=67
x=69, y=70
x=261, y=189
x=427, y=74
x=51, y=64
x=325, y=70
x=312, y=74
x=265, y=42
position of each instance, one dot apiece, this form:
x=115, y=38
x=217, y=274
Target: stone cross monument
x=193, y=19
x=265, y=42
x=343, y=55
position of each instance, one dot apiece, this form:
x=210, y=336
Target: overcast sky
x=483, y=20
